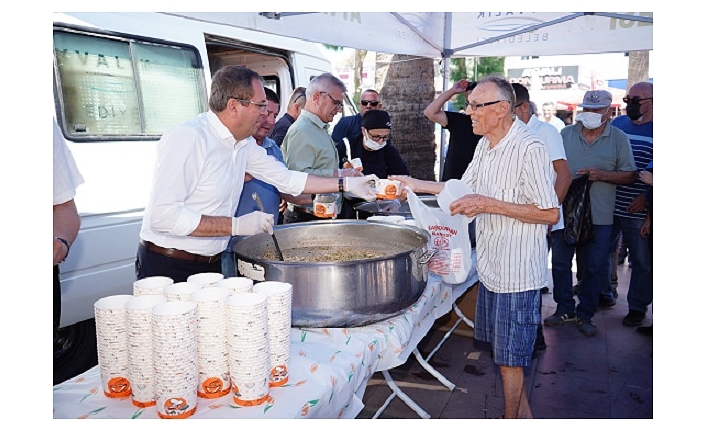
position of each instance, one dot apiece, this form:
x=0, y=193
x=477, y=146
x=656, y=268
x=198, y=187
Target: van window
x=123, y=88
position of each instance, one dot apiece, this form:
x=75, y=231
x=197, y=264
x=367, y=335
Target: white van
x=120, y=81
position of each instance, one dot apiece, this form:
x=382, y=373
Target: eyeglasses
x=372, y=103
x=379, y=138
x=636, y=99
x=475, y=106
x=261, y=105
x=336, y=103
x=299, y=97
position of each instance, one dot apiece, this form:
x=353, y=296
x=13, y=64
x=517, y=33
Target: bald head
x=640, y=97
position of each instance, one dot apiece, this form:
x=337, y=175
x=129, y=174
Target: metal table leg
x=397, y=392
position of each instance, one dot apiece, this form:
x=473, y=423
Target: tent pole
x=446, y=53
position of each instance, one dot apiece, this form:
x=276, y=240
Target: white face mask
x=590, y=120
x=374, y=145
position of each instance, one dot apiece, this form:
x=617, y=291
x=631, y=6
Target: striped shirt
x=641, y=143
x=512, y=255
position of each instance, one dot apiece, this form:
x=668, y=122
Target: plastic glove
x=253, y=223
x=350, y=172
x=361, y=187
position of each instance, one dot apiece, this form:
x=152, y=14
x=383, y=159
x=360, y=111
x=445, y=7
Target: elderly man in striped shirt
x=513, y=200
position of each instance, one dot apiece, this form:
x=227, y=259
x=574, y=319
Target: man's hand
x=637, y=205
x=594, y=174
x=460, y=86
x=646, y=177
x=470, y=205
x=59, y=251
x=361, y=187
x=646, y=227
x=253, y=223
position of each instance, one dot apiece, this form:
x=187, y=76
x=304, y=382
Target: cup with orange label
x=387, y=189
x=326, y=205
x=356, y=164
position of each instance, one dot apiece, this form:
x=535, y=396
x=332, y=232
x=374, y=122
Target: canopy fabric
x=448, y=34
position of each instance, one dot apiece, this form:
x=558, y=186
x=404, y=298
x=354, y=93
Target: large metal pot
x=343, y=293
x=385, y=208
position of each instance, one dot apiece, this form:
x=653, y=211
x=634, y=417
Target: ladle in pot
x=262, y=208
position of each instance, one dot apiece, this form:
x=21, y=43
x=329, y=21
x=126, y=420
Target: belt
x=179, y=254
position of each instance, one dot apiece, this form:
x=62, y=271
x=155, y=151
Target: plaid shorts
x=508, y=321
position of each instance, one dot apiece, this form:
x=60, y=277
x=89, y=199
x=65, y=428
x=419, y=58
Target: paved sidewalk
x=609, y=376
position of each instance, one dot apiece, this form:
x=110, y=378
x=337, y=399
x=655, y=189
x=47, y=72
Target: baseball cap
x=378, y=119
x=597, y=99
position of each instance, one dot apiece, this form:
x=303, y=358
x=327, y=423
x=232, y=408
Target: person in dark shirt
x=294, y=108
x=462, y=140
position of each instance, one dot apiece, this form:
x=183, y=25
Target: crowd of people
x=519, y=164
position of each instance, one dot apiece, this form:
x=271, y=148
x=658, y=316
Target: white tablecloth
x=329, y=368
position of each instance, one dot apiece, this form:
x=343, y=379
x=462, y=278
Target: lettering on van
x=98, y=60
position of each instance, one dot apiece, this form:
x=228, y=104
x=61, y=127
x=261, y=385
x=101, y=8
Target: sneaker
x=545, y=290
x=587, y=327
x=606, y=302
x=634, y=318
x=557, y=318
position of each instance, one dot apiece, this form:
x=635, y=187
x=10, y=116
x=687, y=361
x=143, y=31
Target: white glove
x=252, y=224
x=361, y=187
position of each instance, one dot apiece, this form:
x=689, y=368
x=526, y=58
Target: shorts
x=508, y=321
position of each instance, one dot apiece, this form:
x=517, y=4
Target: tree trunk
x=638, y=67
x=406, y=86
x=358, y=59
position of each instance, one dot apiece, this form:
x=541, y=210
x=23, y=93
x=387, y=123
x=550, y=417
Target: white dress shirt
x=66, y=174
x=199, y=170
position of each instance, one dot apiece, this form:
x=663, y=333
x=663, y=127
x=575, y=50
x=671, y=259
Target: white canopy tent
x=454, y=34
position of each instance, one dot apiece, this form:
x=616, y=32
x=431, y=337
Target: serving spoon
x=257, y=200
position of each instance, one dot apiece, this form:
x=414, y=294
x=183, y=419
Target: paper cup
x=205, y=279
x=236, y=284
x=112, y=345
x=387, y=189
x=151, y=285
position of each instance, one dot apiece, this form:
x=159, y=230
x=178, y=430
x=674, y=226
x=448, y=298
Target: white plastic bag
x=449, y=238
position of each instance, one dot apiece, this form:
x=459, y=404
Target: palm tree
x=638, y=67
x=406, y=86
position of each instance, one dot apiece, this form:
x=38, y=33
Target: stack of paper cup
x=212, y=341
x=181, y=291
x=206, y=279
x=249, y=353
x=140, y=369
x=174, y=352
x=236, y=284
x=279, y=323
x=151, y=285
x=112, y=343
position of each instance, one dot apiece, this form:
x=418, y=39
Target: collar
x=533, y=119
x=267, y=142
x=222, y=131
x=314, y=119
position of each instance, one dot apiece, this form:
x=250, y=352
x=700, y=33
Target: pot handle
x=426, y=257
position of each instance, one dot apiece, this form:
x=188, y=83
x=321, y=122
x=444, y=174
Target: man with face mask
x=373, y=148
x=602, y=151
x=630, y=210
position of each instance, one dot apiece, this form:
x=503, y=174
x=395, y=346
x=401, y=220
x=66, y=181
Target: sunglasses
x=636, y=99
x=372, y=103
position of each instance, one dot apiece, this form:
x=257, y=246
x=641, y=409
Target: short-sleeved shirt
x=641, y=144
x=609, y=152
x=462, y=145
x=512, y=254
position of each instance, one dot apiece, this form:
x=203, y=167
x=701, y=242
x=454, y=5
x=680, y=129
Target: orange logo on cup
x=279, y=375
x=212, y=388
x=118, y=387
x=320, y=210
x=390, y=191
x=176, y=408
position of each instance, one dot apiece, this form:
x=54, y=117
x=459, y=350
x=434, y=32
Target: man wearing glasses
x=630, y=209
x=198, y=179
x=513, y=201
x=308, y=147
x=294, y=108
x=349, y=126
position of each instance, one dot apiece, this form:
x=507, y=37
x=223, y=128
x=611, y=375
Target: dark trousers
x=148, y=264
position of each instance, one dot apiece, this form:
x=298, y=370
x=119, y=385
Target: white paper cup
x=387, y=189
x=236, y=284
x=181, y=291
x=205, y=279
x=112, y=345
x=452, y=191
x=151, y=285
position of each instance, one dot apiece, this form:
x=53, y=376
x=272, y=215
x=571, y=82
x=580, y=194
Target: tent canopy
x=448, y=34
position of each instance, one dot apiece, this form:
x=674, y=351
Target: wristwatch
x=66, y=243
x=340, y=184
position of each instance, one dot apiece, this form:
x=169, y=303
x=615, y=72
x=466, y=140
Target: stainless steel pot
x=344, y=293
x=367, y=209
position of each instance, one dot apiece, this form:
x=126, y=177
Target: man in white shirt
x=548, y=116
x=198, y=180
x=513, y=200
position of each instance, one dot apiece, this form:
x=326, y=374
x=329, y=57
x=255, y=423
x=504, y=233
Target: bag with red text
x=449, y=240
